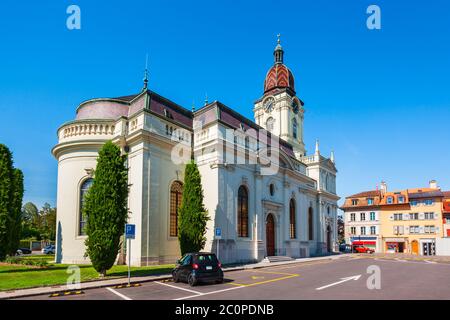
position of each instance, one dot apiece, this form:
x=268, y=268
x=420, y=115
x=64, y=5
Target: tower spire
x=278, y=53
x=146, y=73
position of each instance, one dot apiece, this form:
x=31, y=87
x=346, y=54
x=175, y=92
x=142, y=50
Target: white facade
x=364, y=226
x=151, y=129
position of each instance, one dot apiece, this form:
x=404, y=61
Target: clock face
x=295, y=107
x=268, y=104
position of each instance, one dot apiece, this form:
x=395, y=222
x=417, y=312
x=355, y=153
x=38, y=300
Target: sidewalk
x=411, y=257
x=124, y=280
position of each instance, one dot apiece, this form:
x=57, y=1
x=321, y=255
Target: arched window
x=242, y=215
x=292, y=228
x=270, y=124
x=310, y=224
x=294, y=128
x=85, y=186
x=176, y=194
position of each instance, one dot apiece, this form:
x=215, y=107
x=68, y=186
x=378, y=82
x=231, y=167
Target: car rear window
x=205, y=258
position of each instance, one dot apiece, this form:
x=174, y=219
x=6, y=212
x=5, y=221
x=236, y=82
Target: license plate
x=208, y=268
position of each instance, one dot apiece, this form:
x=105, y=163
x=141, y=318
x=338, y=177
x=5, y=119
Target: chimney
x=383, y=187
x=433, y=184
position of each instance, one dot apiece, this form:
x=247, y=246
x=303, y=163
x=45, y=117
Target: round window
x=272, y=189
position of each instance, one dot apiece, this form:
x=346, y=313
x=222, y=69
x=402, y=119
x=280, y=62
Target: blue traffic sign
x=130, y=231
x=218, y=233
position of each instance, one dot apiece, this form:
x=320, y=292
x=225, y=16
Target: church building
x=261, y=189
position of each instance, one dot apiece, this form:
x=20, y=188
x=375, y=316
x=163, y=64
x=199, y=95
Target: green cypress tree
x=192, y=214
x=15, y=228
x=106, y=208
x=6, y=180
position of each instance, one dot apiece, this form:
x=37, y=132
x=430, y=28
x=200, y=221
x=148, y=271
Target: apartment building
x=362, y=219
x=404, y=221
x=446, y=214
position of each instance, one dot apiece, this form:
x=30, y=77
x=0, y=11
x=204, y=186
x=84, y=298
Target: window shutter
x=421, y=230
x=421, y=216
x=406, y=216
x=401, y=230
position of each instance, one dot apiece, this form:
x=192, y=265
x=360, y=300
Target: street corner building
x=289, y=212
x=412, y=221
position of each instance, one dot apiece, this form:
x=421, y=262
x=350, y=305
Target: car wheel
x=191, y=280
x=219, y=281
x=175, y=277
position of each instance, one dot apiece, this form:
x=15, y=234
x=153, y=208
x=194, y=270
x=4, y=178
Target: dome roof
x=279, y=76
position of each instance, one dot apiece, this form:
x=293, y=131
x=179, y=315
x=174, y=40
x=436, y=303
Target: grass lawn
x=17, y=277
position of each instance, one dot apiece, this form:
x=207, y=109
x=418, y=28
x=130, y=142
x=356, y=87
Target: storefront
x=394, y=245
x=369, y=242
x=427, y=247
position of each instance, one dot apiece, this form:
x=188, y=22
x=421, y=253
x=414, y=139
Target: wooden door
x=270, y=235
x=415, y=247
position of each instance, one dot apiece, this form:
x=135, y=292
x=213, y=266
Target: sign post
x=130, y=232
x=218, y=236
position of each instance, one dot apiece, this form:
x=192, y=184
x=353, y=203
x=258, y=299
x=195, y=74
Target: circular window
x=272, y=189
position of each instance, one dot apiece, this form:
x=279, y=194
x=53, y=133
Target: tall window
x=176, y=195
x=270, y=124
x=310, y=224
x=352, y=216
x=292, y=229
x=242, y=215
x=373, y=230
x=372, y=216
x=85, y=186
x=294, y=128
x=363, y=216
x=363, y=231
x=352, y=230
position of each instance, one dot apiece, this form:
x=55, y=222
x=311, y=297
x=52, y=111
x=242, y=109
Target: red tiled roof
x=446, y=194
x=371, y=193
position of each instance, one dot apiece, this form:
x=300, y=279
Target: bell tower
x=279, y=110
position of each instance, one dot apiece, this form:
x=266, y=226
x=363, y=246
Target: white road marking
x=401, y=260
x=429, y=261
x=119, y=294
x=207, y=293
x=172, y=286
x=339, y=282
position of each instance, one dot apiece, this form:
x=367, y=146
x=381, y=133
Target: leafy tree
x=16, y=211
x=341, y=230
x=192, y=214
x=106, y=208
x=6, y=191
x=30, y=214
x=47, y=217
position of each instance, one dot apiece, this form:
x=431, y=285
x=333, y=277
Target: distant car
x=50, y=249
x=22, y=251
x=345, y=248
x=198, y=267
x=362, y=249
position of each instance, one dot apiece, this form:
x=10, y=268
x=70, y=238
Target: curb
x=61, y=290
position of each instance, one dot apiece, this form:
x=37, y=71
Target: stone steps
x=277, y=259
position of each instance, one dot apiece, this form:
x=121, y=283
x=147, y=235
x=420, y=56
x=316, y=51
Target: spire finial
x=206, y=98
x=332, y=156
x=278, y=53
x=146, y=73
x=193, y=106
x=317, y=146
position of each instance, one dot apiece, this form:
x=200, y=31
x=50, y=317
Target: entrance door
x=328, y=239
x=415, y=247
x=270, y=235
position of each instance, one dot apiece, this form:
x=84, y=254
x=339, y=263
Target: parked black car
x=345, y=248
x=21, y=251
x=197, y=267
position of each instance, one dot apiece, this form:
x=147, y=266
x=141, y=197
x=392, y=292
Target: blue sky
x=379, y=98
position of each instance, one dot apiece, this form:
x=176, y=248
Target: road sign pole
x=129, y=261
x=218, y=249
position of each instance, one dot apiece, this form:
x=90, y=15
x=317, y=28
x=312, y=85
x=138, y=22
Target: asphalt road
x=344, y=278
